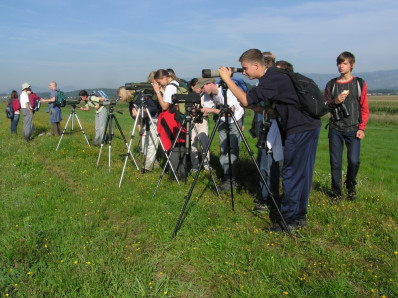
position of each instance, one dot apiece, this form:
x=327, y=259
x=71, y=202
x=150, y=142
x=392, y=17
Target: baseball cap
x=203, y=81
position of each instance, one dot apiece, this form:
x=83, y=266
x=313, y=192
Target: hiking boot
x=352, y=194
x=275, y=228
x=260, y=208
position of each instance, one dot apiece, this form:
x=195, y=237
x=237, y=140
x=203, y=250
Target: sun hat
x=25, y=86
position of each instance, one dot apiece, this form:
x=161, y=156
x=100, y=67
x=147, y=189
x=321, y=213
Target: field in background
x=67, y=229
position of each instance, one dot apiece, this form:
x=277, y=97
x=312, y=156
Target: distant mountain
x=383, y=81
x=377, y=80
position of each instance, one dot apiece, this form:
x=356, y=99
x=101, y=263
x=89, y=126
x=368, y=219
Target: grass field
x=67, y=229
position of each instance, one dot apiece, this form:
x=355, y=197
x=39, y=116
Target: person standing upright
x=26, y=112
x=348, y=103
x=55, y=111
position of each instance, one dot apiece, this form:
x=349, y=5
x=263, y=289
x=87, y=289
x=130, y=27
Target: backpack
x=34, y=102
x=179, y=108
x=100, y=93
x=312, y=101
x=238, y=82
x=60, y=100
x=9, y=111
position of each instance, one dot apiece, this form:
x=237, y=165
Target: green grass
x=67, y=229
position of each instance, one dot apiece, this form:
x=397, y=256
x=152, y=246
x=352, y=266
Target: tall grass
x=67, y=229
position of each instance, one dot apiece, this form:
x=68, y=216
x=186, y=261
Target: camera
x=340, y=111
x=188, y=99
x=264, y=129
x=145, y=87
x=210, y=73
x=111, y=102
x=73, y=101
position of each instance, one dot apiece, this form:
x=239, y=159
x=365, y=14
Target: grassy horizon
x=67, y=229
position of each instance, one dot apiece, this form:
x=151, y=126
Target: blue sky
x=101, y=43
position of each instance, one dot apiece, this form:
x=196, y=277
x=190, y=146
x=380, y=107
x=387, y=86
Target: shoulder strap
x=334, y=85
x=360, y=87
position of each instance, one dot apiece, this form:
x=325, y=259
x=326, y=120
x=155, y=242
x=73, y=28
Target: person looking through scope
x=201, y=132
x=148, y=134
x=300, y=132
x=168, y=126
x=93, y=101
x=214, y=92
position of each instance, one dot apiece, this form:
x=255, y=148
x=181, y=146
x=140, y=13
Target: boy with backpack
x=55, y=110
x=348, y=104
x=299, y=130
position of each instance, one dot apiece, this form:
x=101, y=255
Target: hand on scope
x=225, y=73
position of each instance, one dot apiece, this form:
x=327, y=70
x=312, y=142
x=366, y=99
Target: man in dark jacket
x=300, y=133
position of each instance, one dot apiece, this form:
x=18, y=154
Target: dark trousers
x=178, y=161
x=336, y=147
x=298, y=167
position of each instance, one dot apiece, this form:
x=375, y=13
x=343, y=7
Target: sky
x=105, y=43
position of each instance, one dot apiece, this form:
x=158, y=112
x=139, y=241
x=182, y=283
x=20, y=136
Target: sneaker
x=194, y=170
x=301, y=223
x=352, y=194
x=275, y=228
x=260, y=208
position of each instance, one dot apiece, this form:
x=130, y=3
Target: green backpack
x=60, y=100
x=180, y=111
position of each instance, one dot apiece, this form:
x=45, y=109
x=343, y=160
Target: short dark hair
x=83, y=93
x=346, y=55
x=252, y=55
x=284, y=65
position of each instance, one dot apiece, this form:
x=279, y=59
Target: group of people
x=276, y=94
x=289, y=149
x=25, y=104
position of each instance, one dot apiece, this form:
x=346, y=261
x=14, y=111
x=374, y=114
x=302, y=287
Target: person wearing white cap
x=26, y=111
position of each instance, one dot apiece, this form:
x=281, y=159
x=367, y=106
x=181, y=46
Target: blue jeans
x=235, y=140
x=298, y=167
x=271, y=172
x=14, y=123
x=336, y=147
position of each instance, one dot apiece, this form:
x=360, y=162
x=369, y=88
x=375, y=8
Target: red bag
x=168, y=128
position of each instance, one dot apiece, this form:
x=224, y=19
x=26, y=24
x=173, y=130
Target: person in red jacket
x=348, y=103
x=14, y=101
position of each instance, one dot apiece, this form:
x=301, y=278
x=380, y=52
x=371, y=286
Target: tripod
x=109, y=125
x=71, y=115
x=142, y=107
x=226, y=111
x=187, y=123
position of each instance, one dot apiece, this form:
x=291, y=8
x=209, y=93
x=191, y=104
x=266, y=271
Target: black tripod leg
x=263, y=179
x=125, y=141
x=168, y=160
x=188, y=197
x=205, y=159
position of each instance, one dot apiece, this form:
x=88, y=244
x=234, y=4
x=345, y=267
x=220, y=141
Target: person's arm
x=49, y=100
x=364, y=112
x=225, y=74
x=164, y=105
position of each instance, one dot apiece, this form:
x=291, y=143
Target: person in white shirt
x=214, y=92
x=170, y=83
x=26, y=111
